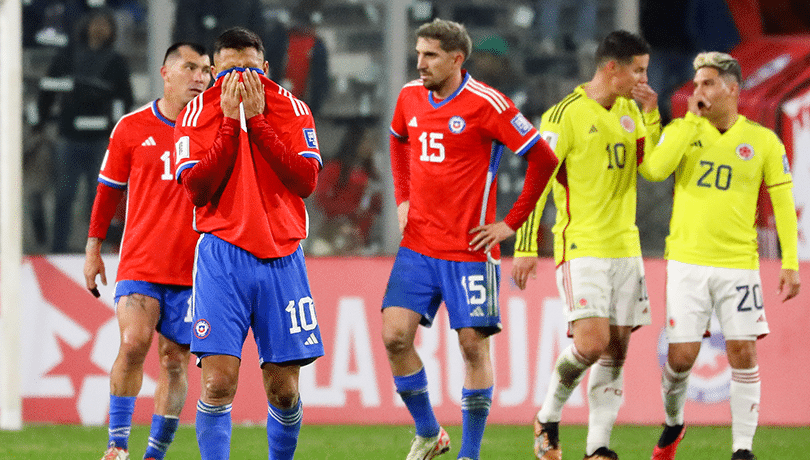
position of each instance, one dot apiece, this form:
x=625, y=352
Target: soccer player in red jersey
x=153, y=285
x=247, y=155
x=447, y=137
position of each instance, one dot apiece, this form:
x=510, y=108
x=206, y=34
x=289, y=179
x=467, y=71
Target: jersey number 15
x=432, y=149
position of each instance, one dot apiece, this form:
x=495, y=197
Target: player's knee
x=473, y=351
x=175, y=363
x=680, y=362
x=283, y=400
x=396, y=341
x=591, y=350
x=219, y=387
x=134, y=348
x=741, y=354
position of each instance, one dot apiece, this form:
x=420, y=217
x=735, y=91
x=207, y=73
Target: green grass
x=391, y=442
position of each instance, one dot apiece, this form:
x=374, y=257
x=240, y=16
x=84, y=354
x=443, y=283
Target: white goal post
x=10, y=212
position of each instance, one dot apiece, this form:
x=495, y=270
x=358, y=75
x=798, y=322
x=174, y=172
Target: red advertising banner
x=70, y=340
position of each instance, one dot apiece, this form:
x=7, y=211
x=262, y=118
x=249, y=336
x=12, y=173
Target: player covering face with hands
x=720, y=159
x=247, y=155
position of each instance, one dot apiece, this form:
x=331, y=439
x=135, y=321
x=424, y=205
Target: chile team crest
x=710, y=380
x=202, y=328
x=457, y=124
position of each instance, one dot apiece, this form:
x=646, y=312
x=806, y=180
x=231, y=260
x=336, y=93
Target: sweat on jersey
x=595, y=186
x=158, y=242
x=253, y=208
x=455, y=145
x=717, y=182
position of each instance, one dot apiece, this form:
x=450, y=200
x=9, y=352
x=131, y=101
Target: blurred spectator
x=677, y=31
x=664, y=26
x=548, y=26
x=201, y=21
x=93, y=81
x=49, y=22
x=349, y=194
x=711, y=25
x=306, y=65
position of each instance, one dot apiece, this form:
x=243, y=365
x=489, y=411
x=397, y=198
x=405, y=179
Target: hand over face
x=252, y=92
x=230, y=98
x=646, y=96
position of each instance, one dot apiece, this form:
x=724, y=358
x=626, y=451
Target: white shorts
x=694, y=292
x=605, y=288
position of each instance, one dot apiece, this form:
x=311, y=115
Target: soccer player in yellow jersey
x=720, y=159
x=598, y=134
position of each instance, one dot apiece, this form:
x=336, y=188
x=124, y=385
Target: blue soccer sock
x=161, y=435
x=414, y=392
x=475, y=406
x=121, y=409
x=283, y=426
x=213, y=427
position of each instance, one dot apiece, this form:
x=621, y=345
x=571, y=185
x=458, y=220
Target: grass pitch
x=501, y=442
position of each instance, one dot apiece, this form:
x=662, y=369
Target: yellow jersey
x=717, y=182
x=595, y=184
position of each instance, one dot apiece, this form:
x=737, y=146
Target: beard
x=434, y=85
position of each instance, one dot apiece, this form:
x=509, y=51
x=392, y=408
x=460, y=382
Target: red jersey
x=455, y=147
x=253, y=209
x=158, y=242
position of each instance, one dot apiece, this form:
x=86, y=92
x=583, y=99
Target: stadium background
x=70, y=338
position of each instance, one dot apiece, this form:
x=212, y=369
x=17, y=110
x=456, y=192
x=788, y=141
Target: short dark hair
x=238, y=38
x=621, y=46
x=452, y=36
x=174, y=49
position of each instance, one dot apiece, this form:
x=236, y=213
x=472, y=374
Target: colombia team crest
x=745, y=151
x=627, y=123
x=457, y=124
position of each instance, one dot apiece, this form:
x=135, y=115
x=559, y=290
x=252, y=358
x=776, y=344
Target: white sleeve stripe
x=301, y=106
x=298, y=105
x=188, y=110
x=112, y=183
x=396, y=134
x=310, y=154
x=526, y=145
x=183, y=166
x=193, y=111
x=495, y=94
x=489, y=98
x=200, y=105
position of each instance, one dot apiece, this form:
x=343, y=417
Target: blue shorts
x=469, y=290
x=234, y=291
x=175, y=306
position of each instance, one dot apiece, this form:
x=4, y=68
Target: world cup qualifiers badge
x=521, y=124
x=311, y=138
x=457, y=124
